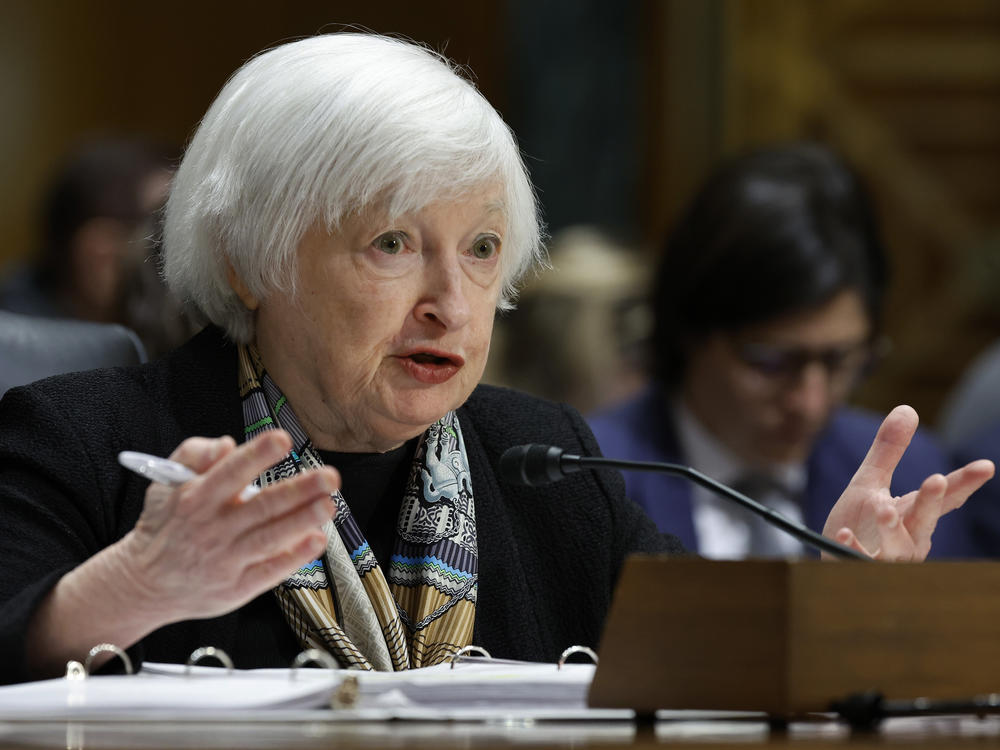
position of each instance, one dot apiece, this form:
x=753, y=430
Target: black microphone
x=535, y=465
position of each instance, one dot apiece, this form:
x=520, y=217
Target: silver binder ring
x=468, y=651
x=576, y=650
x=313, y=656
x=209, y=652
x=100, y=648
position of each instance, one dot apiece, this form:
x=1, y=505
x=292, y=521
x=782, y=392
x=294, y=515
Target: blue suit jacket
x=643, y=430
x=981, y=512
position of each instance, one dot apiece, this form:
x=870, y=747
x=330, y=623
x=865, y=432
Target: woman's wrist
x=104, y=600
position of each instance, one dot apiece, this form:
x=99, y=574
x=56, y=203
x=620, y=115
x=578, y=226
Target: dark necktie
x=765, y=539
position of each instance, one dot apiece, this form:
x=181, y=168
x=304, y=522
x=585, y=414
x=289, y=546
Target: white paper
x=472, y=689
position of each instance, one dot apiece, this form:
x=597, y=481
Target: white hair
x=320, y=129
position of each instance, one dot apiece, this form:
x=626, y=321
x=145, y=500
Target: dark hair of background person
x=121, y=178
x=774, y=232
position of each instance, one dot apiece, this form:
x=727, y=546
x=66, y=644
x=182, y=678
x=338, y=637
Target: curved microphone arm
x=535, y=465
x=802, y=533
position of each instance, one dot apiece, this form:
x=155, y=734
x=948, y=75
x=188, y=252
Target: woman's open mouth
x=431, y=367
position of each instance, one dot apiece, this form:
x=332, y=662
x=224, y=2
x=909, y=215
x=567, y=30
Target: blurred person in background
x=970, y=422
x=981, y=515
x=973, y=404
x=767, y=309
x=98, y=259
x=578, y=333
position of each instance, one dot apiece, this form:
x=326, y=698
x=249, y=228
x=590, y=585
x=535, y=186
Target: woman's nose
x=446, y=300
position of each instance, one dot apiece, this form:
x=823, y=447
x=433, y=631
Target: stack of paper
x=162, y=688
x=474, y=683
x=474, y=687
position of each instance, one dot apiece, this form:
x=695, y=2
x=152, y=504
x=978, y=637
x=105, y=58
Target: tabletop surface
x=320, y=732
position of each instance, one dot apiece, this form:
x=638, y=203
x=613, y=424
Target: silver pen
x=167, y=472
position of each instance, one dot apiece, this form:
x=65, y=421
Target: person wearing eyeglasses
x=767, y=306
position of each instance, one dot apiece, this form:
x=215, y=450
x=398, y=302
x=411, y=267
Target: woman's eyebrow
x=496, y=207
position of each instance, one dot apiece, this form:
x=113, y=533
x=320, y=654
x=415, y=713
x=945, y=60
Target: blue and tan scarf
x=343, y=603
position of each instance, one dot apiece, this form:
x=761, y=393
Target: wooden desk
x=928, y=734
x=836, y=615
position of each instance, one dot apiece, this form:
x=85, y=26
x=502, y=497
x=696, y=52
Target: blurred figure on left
x=97, y=258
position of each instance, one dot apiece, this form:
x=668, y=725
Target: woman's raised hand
x=870, y=519
x=197, y=551
x=201, y=551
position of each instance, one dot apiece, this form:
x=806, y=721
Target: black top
x=548, y=557
x=373, y=486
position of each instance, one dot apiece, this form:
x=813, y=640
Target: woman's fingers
x=268, y=573
x=847, y=537
x=921, y=515
x=284, y=497
x=895, y=537
x=199, y=453
x=964, y=481
x=240, y=467
x=234, y=550
x=900, y=538
x=903, y=527
x=895, y=542
x=890, y=443
x=223, y=468
x=298, y=511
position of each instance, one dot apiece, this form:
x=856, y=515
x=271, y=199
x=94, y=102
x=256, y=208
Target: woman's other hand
x=870, y=519
x=197, y=551
x=202, y=551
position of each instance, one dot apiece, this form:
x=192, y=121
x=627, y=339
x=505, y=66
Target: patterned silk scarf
x=343, y=603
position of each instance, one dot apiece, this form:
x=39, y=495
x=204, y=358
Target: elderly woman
x=348, y=217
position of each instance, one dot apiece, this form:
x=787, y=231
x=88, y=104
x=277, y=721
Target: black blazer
x=548, y=557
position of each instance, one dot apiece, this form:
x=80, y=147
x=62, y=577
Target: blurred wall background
x=621, y=109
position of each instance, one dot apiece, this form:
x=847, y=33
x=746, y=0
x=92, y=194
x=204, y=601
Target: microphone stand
x=569, y=463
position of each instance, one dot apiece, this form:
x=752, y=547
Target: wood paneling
x=910, y=92
x=70, y=68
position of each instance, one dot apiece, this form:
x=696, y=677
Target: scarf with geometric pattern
x=343, y=603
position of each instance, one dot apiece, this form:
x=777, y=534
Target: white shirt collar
x=706, y=453
x=722, y=528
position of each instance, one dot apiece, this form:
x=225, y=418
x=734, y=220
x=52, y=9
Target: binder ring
x=209, y=652
x=100, y=648
x=313, y=656
x=467, y=651
x=576, y=650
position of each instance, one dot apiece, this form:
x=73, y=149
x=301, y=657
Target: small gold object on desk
x=347, y=693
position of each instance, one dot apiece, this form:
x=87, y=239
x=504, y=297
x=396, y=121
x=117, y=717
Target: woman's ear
x=246, y=296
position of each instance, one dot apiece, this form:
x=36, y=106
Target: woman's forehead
x=486, y=202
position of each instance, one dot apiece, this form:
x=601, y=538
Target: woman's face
x=390, y=325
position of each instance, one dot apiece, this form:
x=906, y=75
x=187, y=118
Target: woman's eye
x=485, y=247
x=390, y=243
